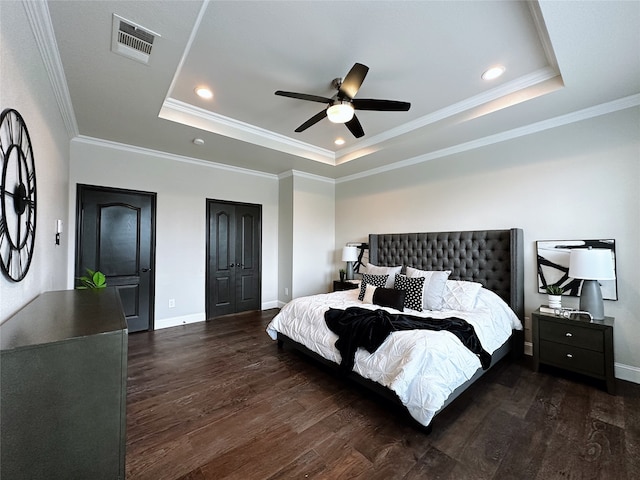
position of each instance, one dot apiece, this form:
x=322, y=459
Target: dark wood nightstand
x=577, y=345
x=338, y=286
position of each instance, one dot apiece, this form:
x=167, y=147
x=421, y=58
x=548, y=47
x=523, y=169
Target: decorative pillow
x=389, y=297
x=460, y=295
x=391, y=271
x=413, y=290
x=433, y=286
x=368, y=293
x=368, y=279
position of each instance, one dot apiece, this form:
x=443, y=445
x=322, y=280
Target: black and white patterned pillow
x=413, y=290
x=375, y=280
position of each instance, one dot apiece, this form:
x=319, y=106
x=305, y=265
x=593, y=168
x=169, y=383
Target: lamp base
x=591, y=299
x=349, y=270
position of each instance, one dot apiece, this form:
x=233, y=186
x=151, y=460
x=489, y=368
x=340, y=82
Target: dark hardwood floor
x=218, y=400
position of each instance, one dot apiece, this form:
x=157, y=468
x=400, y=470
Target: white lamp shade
x=349, y=254
x=591, y=264
x=340, y=112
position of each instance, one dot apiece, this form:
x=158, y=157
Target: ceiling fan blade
x=380, y=105
x=354, y=127
x=352, y=82
x=303, y=96
x=312, y=121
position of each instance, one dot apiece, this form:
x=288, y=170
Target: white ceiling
x=564, y=61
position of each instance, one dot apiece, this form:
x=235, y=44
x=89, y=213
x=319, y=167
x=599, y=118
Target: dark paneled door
x=116, y=235
x=234, y=244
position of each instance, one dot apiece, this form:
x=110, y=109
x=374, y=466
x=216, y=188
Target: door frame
x=80, y=187
x=208, y=202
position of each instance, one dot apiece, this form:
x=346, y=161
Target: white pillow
x=460, y=295
x=368, y=293
x=433, y=289
x=391, y=271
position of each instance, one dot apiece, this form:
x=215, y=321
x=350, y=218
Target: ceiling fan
x=341, y=107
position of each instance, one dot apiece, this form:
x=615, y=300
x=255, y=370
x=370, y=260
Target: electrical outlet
x=172, y=303
x=286, y=291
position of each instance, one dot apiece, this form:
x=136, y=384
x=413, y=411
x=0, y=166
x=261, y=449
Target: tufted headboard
x=493, y=258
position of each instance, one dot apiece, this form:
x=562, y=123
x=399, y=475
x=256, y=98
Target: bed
x=423, y=370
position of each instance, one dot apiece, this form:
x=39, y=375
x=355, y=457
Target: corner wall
x=579, y=181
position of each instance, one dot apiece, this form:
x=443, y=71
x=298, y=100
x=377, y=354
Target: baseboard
x=176, y=321
x=272, y=304
x=200, y=317
x=627, y=372
x=528, y=348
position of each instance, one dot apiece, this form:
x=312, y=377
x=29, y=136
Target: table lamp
x=349, y=255
x=591, y=265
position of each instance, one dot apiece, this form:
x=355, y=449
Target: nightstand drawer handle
x=569, y=355
x=568, y=334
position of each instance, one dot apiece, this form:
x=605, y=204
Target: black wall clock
x=17, y=196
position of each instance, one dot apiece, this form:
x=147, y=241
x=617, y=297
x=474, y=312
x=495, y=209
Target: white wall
x=182, y=187
x=579, y=181
x=307, y=234
x=24, y=85
x=285, y=239
x=313, y=235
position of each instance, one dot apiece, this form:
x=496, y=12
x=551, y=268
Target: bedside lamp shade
x=591, y=265
x=349, y=255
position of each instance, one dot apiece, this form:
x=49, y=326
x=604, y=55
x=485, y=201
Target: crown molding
x=310, y=176
x=186, y=114
x=584, y=114
x=169, y=156
x=543, y=33
x=569, y=118
x=521, y=85
x=42, y=28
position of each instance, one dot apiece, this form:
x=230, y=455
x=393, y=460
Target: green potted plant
x=342, y=274
x=554, y=295
x=93, y=280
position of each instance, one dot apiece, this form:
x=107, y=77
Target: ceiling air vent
x=131, y=40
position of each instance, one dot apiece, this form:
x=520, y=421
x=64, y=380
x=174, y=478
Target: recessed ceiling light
x=204, y=92
x=198, y=141
x=339, y=141
x=493, y=72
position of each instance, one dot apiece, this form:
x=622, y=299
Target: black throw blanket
x=361, y=327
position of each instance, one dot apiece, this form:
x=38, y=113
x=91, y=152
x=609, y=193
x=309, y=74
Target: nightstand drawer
x=572, y=358
x=574, y=335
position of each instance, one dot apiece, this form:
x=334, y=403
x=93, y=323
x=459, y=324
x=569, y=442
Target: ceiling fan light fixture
x=340, y=112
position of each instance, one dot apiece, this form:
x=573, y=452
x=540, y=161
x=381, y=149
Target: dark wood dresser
x=63, y=374
x=577, y=345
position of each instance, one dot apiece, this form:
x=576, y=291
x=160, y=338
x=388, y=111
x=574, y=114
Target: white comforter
x=422, y=367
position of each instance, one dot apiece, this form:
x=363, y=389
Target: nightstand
x=577, y=345
x=338, y=286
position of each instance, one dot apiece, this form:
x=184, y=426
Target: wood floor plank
x=308, y=465
x=218, y=400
